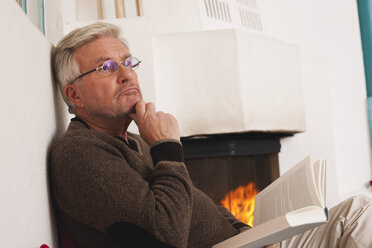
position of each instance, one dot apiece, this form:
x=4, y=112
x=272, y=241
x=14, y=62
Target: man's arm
x=156, y=127
x=94, y=184
x=231, y=218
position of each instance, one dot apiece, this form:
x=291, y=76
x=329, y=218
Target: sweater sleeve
x=95, y=185
x=240, y=226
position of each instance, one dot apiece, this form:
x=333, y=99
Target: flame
x=240, y=202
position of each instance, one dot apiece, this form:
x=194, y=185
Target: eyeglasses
x=110, y=67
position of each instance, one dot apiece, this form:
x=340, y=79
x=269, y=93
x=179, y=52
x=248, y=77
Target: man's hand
x=154, y=126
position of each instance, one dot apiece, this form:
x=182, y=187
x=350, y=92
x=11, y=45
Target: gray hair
x=65, y=67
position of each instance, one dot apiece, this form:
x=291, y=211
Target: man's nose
x=124, y=74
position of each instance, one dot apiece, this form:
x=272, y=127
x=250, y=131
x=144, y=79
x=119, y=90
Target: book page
x=319, y=177
x=294, y=190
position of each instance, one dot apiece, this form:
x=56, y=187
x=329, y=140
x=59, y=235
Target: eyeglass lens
x=110, y=66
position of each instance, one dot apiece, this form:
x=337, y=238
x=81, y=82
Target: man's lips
x=130, y=91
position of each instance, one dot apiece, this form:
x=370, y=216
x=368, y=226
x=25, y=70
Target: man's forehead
x=102, y=49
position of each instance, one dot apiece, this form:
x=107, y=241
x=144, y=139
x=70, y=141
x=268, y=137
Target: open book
x=292, y=204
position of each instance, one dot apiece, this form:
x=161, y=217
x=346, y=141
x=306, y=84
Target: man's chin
x=131, y=105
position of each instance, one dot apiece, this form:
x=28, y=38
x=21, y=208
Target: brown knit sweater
x=112, y=194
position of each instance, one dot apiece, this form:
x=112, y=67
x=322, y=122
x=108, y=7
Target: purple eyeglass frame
x=129, y=66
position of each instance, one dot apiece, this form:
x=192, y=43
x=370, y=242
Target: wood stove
x=227, y=166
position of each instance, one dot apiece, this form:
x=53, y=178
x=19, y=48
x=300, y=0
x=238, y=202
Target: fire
x=240, y=202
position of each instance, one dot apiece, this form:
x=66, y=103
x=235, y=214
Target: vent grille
x=217, y=9
x=249, y=15
x=249, y=3
x=250, y=19
x=239, y=13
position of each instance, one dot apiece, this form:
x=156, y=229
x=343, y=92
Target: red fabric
x=65, y=237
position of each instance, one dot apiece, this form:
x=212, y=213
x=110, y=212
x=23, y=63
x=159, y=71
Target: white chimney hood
x=228, y=81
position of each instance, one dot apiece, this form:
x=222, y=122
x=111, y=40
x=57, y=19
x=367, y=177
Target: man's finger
x=150, y=107
x=140, y=108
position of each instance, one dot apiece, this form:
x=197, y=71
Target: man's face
x=106, y=95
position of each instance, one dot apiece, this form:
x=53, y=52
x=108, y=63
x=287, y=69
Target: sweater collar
x=132, y=144
x=80, y=120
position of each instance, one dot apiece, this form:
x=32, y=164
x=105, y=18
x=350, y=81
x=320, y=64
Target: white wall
x=53, y=20
x=334, y=89
x=32, y=117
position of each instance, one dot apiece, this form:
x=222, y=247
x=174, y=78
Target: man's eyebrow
x=102, y=59
x=124, y=57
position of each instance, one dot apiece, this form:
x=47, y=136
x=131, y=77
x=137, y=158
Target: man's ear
x=72, y=92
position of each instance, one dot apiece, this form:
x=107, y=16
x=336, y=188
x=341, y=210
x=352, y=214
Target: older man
x=113, y=188
x=117, y=189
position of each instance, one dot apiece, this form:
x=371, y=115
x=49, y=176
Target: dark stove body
x=218, y=164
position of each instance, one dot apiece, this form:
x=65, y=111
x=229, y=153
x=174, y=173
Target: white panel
x=32, y=12
x=271, y=89
x=31, y=119
x=108, y=9
x=173, y=15
x=221, y=82
x=196, y=80
x=130, y=8
x=87, y=10
x=53, y=20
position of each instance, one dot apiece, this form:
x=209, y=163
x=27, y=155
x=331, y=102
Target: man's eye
x=110, y=66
